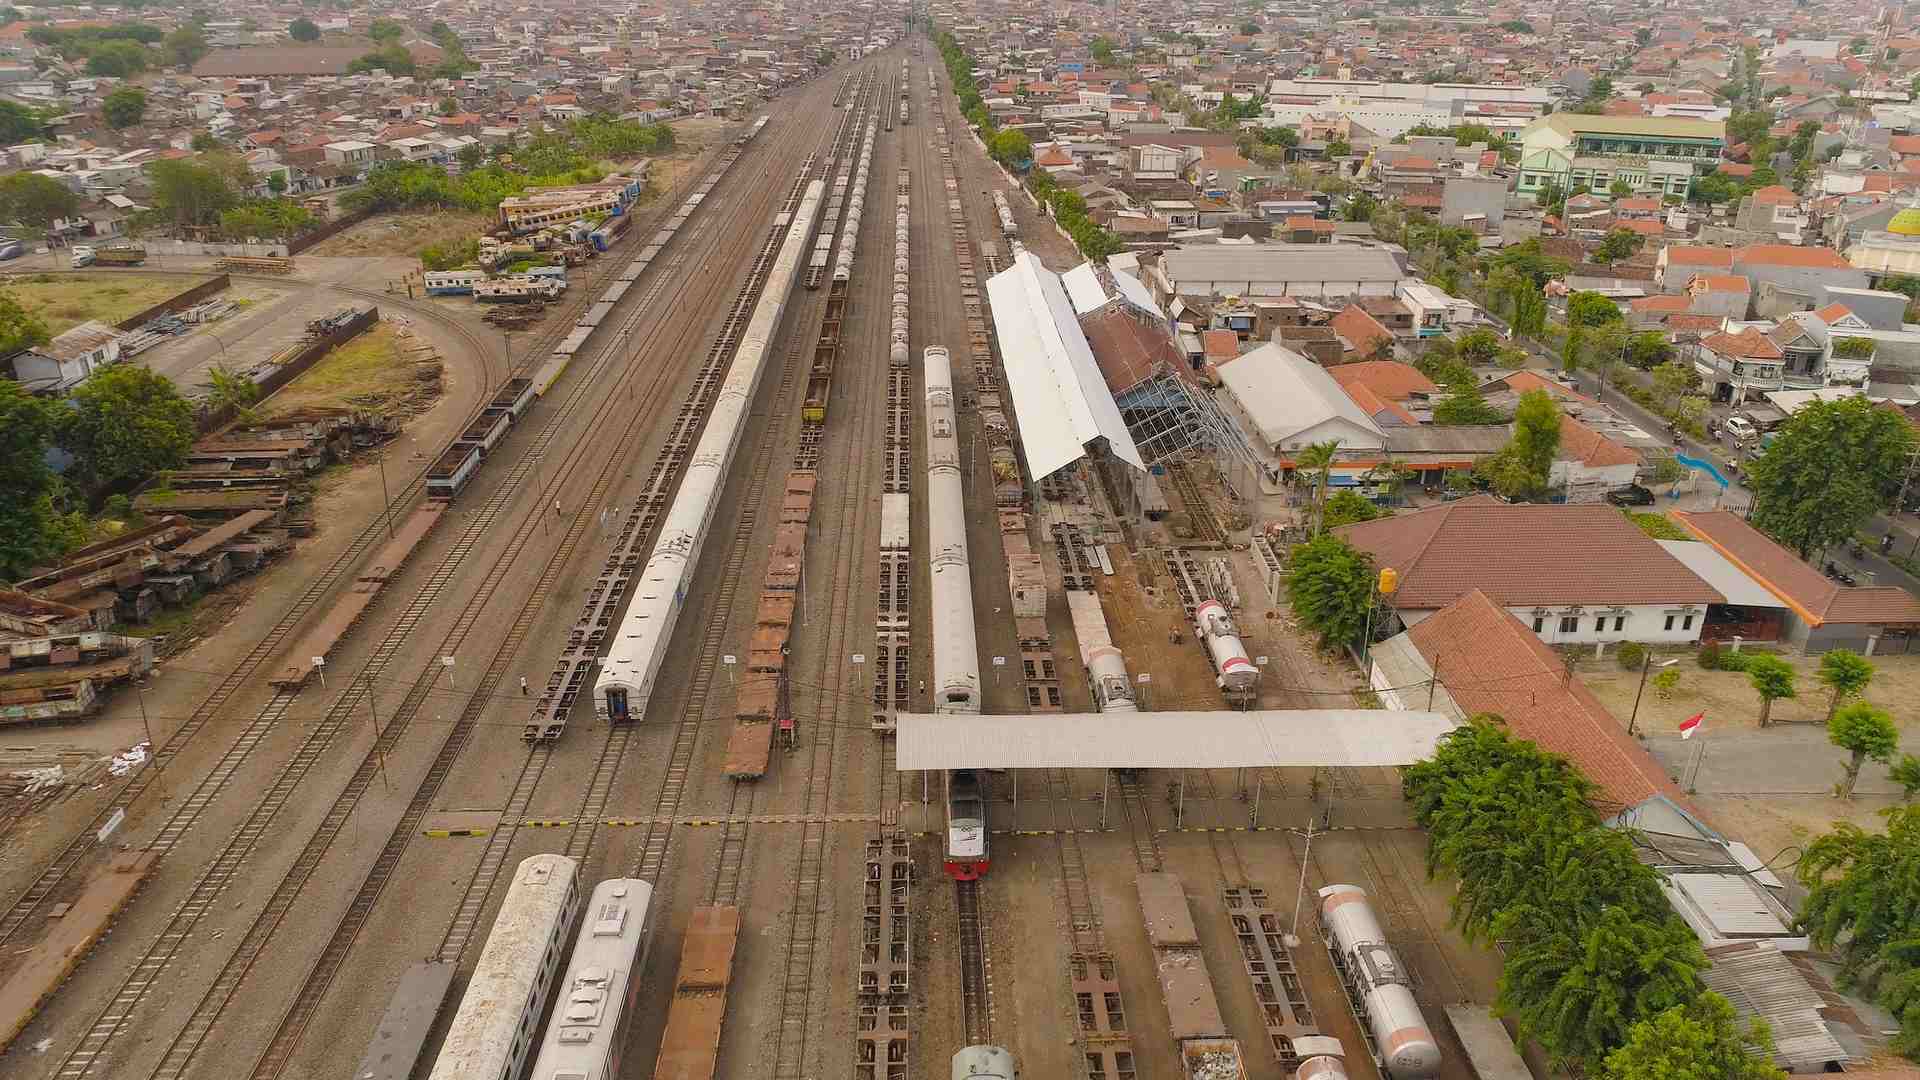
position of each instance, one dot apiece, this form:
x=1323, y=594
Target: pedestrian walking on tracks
x=523, y=686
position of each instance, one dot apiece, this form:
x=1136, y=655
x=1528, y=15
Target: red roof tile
x=1798, y=585
x=1373, y=404
x=1359, y=328
x=1391, y=379
x=1491, y=663
x=1788, y=255
x=1721, y=283
x=1578, y=442
x=1526, y=554
x=1747, y=343
x=1685, y=255
x=1220, y=344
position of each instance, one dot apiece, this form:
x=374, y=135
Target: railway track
x=181, y=1051
x=213, y=880
x=41, y=890
x=976, y=1015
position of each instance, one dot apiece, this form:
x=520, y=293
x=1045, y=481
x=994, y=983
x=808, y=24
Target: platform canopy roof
x=1060, y=399
x=1168, y=740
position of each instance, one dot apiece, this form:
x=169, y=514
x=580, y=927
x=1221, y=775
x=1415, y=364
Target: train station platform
x=1219, y=739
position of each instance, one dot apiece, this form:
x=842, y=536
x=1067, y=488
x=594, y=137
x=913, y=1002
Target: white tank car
x=633, y=661
x=1106, y=668
x=956, y=657
x=1237, y=672
x=984, y=1063
x=1321, y=1058
x=1378, y=977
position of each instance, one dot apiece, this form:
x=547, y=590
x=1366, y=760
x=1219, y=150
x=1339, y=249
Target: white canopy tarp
x=1219, y=739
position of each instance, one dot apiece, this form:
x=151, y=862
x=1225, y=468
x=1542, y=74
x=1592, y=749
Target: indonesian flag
x=1691, y=725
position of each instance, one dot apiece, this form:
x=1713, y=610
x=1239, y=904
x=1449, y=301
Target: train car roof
x=1219, y=739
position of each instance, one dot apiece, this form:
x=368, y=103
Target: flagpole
x=1698, y=756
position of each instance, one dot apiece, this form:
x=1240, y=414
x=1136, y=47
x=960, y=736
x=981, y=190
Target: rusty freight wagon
x=760, y=704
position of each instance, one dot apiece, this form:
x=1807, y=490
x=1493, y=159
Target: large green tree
x=1772, y=679
x=19, y=328
x=126, y=423
x=1588, y=308
x=124, y=107
x=29, y=523
x=118, y=58
x=303, y=29
x=1618, y=244
x=1522, y=467
x=18, y=123
x=1864, y=732
x=1010, y=148
x=1831, y=467
x=1863, y=903
x=185, y=46
x=1331, y=589
x=1703, y=1040
x=195, y=191
x=32, y=199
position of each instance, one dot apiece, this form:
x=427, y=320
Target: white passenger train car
x=493, y=1030
x=956, y=656
x=597, y=997
x=633, y=661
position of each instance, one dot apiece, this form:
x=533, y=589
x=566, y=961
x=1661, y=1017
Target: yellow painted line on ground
x=441, y=834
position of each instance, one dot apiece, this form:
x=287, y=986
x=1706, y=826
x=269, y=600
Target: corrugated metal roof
x=1731, y=903
x=1714, y=569
x=1760, y=981
x=1084, y=288
x=1134, y=291
x=1060, y=399
x=1488, y=1045
x=1170, y=740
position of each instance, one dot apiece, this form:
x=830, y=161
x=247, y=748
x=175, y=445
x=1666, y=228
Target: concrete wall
x=1806, y=280
x=192, y=247
x=1645, y=623
x=1463, y=196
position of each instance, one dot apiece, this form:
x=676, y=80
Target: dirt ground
x=404, y=234
x=386, y=369
x=1728, y=698
x=67, y=300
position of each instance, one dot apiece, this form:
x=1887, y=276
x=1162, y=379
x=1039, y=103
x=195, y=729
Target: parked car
x=1742, y=429
x=82, y=255
x=11, y=249
x=1631, y=495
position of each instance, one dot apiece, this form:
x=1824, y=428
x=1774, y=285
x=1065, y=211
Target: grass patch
x=369, y=372
x=1659, y=526
x=67, y=300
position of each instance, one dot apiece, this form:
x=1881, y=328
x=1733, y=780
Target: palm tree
x=1317, y=458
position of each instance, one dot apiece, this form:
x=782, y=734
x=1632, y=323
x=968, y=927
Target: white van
x=1742, y=429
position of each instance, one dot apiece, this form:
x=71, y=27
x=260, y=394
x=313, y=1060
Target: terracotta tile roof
x=1359, y=328
x=1775, y=195
x=1833, y=313
x=1798, y=585
x=1491, y=663
x=1643, y=226
x=1695, y=324
x=1220, y=344
x=1747, y=343
x=1787, y=255
x=1522, y=381
x=1578, y=442
x=1685, y=255
x=1374, y=405
x=1526, y=554
x=1391, y=379
x=1736, y=169
x=1904, y=144
x=1721, y=283
x=1667, y=303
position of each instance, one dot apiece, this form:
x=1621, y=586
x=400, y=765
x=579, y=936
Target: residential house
x=1574, y=574
x=1726, y=295
x=1735, y=365
x=1773, y=211
x=67, y=360
x=1787, y=278
x=1678, y=264
x=1284, y=402
x=1363, y=335
x=1588, y=464
x=1654, y=154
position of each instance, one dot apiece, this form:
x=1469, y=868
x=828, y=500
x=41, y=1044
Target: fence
x=158, y=247
x=177, y=302
x=278, y=375
x=337, y=225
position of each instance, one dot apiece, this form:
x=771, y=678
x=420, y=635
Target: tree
x=32, y=199
x=1616, y=245
x=1588, y=308
x=126, y=424
x=1463, y=405
x=1522, y=467
x=1580, y=988
x=1010, y=148
x=29, y=533
x=1517, y=26
x=1249, y=28
x=1666, y=682
x=1844, y=672
x=1570, y=348
x=1339, y=148
x=385, y=30
x=390, y=58
x=19, y=328
x=118, y=58
x=124, y=107
x=1316, y=461
x=1360, y=207
x=1862, y=891
x=1331, y=589
x=1642, y=36
x=1648, y=349
x=1906, y=773
x=1863, y=732
x=303, y=29
x=1479, y=346
x=277, y=182
x=1832, y=466
x=1348, y=507
x=1771, y=678
x=195, y=191
x=185, y=46
x=1620, y=189
x=1551, y=197
x=1101, y=50
x=1702, y=1040
x=1671, y=381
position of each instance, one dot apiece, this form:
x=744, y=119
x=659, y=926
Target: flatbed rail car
x=69, y=939
x=761, y=703
x=601, y=988
x=320, y=639
x=492, y=1033
x=401, y=1037
x=1207, y=1047
x=690, y=1045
